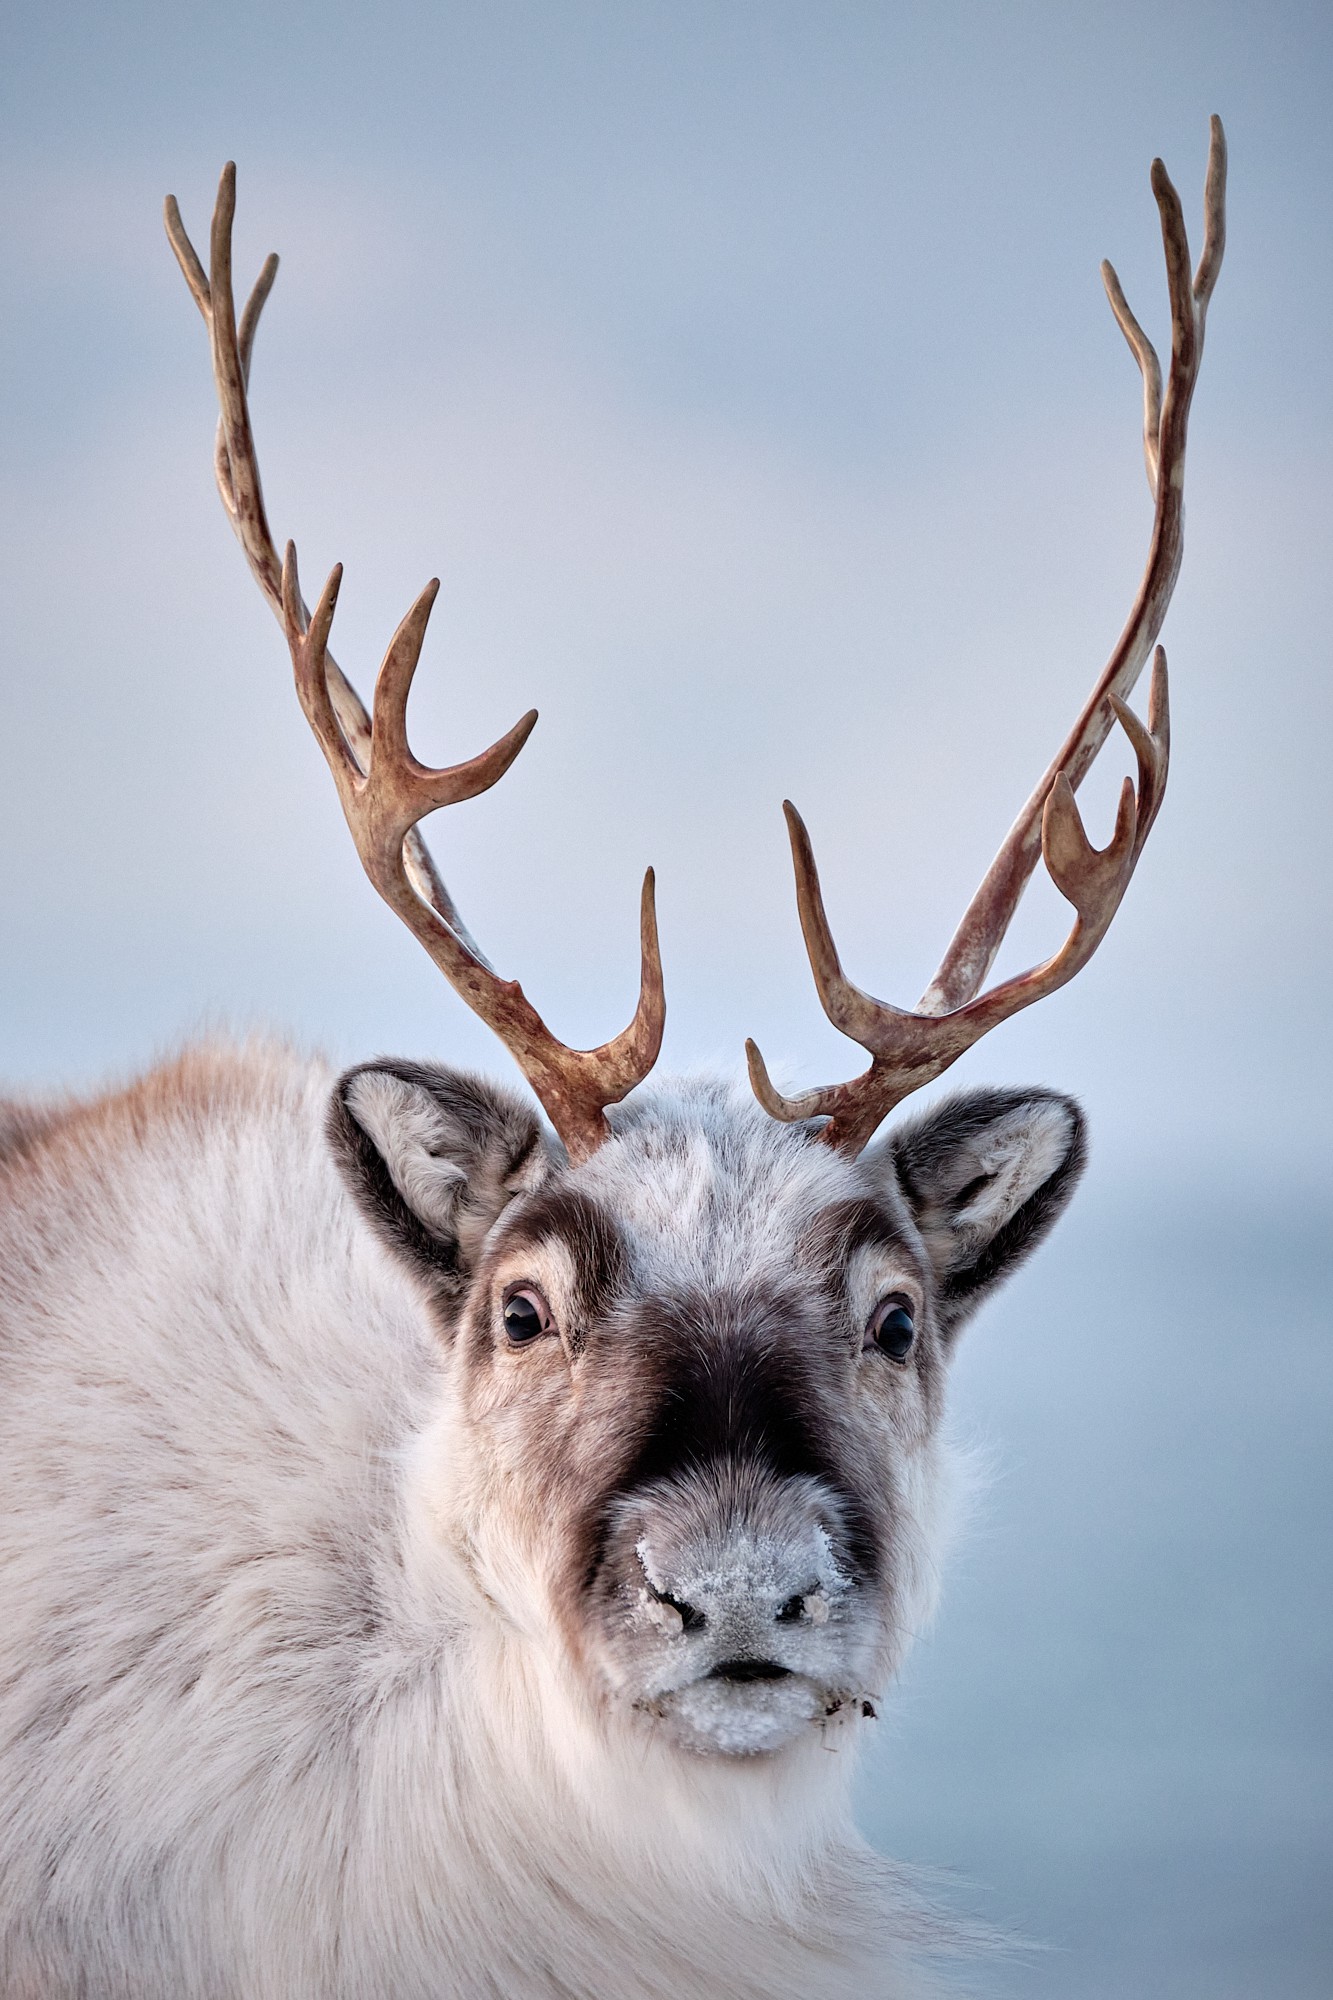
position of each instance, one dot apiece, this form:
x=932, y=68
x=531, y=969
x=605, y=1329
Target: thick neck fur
x=272, y=1729
x=745, y=1878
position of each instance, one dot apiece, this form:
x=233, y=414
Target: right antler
x=383, y=789
x=910, y=1049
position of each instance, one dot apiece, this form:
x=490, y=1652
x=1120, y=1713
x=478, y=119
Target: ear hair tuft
x=986, y=1175
x=432, y=1157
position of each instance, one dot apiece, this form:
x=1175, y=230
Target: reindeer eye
x=891, y=1327
x=526, y=1315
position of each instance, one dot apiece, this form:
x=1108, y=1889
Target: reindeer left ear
x=432, y=1157
x=986, y=1175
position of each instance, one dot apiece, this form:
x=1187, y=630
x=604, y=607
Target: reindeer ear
x=986, y=1175
x=432, y=1157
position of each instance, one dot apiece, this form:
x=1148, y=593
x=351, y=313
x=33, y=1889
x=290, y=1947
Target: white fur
x=264, y=1731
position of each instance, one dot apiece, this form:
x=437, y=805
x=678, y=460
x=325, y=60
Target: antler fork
x=909, y=1049
x=383, y=789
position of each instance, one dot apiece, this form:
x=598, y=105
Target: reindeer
x=447, y=1553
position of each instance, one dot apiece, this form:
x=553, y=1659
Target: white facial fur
x=806, y=1584
x=303, y=1688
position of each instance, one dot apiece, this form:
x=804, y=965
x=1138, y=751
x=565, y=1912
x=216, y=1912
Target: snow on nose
x=750, y=1647
x=747, y=1593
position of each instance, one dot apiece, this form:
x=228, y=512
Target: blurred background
x=745, y=373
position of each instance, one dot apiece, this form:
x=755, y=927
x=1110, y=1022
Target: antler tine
x=846, y=1005
x=247, y=498
x=394, y=683
x=235, y=441
x=1152, y=746
x=403, y=789
x=1214, y=216
x=1149, y=367
x=245, y=342
x=423, y=789
x=1176, y=249
x=187, y=257
x=910, y=1049
x=384, y=790
x=254, y=305
x=972, y=950
x=308, y=640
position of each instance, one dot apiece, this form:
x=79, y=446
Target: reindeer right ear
x=432, y=1157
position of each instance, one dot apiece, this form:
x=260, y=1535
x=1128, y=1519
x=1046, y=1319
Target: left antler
x=383, y=789
x=909, y=1049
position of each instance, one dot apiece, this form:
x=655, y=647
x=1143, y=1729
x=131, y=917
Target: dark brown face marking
x=749, y=1377
x=594, y=1257
x=832, y=1239
x=564, y=1214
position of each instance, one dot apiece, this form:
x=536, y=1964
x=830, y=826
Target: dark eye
x=526, y=1315
x=891, y=1327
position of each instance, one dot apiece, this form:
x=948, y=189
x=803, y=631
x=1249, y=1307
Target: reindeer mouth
x=749, y=1670
x=743, y=1708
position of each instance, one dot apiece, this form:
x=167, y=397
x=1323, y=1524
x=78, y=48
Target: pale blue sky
x=745, y=372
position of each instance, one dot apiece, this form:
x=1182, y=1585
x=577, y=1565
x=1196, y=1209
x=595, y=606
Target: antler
x=383, y=789
x=910, y=1049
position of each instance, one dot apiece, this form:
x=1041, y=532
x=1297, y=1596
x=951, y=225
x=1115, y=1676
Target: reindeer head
x=697, y=1350
x=696, y=1381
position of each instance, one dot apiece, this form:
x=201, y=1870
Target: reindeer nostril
x=692, y=1619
